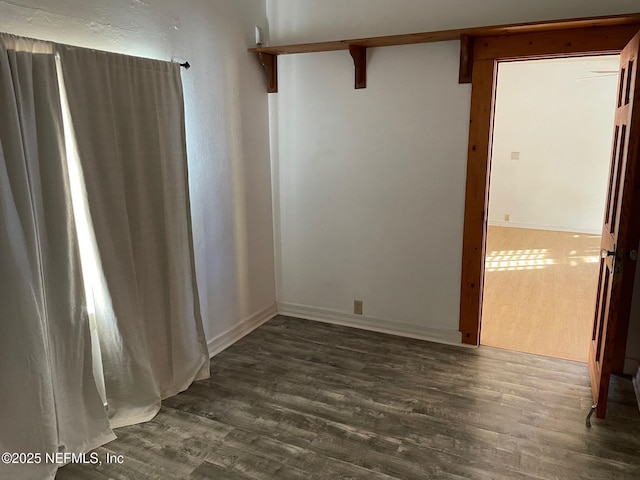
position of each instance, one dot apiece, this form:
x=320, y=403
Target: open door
x=620, y=235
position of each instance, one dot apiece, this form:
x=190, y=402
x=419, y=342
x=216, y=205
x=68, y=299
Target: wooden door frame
x=487, y=53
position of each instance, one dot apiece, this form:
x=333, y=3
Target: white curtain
x=48, y=398
x=127, y=116
x=99, y=309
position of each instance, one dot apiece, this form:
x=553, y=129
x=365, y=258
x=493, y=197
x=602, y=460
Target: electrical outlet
x=506, y=217
x=357, y=307
x=515, y=155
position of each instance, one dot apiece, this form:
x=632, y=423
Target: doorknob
x=604, y=253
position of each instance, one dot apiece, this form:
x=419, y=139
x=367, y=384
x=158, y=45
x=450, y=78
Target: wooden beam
x=359, y=55
x=593, y=30
x=577, y=42
x=477, y=193
x=466, y=59
x=270, y=64
x=455, y=34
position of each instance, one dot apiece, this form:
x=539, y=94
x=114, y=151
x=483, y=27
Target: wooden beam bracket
x=472, y=43
x=270, y=64
x=466, y=59
x=359, y=55
x=450, y=35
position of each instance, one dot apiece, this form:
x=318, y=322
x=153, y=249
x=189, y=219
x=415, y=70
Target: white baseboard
x=226, y=339
x=636, y=386
x=451, y=337
x=553, y=228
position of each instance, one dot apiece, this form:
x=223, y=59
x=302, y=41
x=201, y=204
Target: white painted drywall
x=558, y=116
x=369, y=184
x=297, y=21
x=632, y=363
x=227, y=127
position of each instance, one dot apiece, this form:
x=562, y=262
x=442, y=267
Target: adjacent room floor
x=297, y=399
x=540, y=291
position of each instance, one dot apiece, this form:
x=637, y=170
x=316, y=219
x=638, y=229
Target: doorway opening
x=550, y=161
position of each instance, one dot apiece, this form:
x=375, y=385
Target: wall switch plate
x=357, y=307
x=515, y=155
x=259, y=37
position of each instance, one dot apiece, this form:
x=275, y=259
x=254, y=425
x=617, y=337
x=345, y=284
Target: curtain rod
x=180, y=61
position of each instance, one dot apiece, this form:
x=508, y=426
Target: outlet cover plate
x=357, y=307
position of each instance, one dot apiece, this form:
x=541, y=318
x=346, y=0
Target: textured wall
x=227, y=126
x=371, y=186
x=294, y=21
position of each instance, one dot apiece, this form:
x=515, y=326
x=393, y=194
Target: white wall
x=368, y=180
x=632, y=363
x=369, y=184
x=558, y=116
x=227, y=129
x=297, y=21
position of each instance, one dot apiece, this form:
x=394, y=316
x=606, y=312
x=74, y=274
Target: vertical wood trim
x=477, y=191
x=466, y=59
x=561, y=43
x=270, y=64
x=359, y=55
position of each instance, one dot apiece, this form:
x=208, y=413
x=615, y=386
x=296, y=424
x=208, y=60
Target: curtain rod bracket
x=182, y=62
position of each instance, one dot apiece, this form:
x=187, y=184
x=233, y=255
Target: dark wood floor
x=302, y=400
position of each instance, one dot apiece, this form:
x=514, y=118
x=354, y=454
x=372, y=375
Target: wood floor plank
x=166, y=460
x=539, y=291
x=431, y=374
x=297, y=399
x=489, y=417
x=208, y=471
x=257, y=379
x=426, y=368
x=196, y=436
x=79, y=472
x=410, y=348
x=529, y=405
